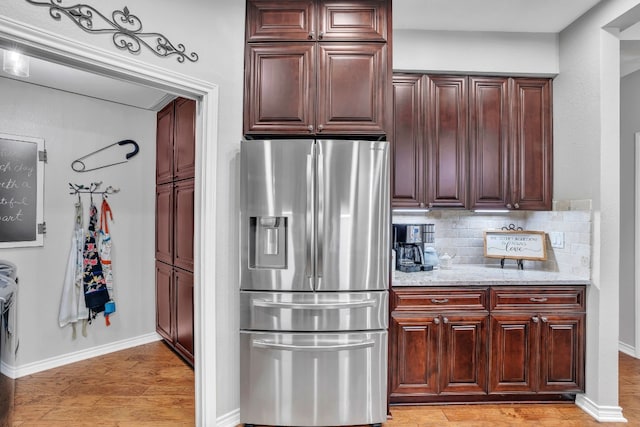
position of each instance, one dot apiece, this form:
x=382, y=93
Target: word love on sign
x=529, y=245
x=20, y=190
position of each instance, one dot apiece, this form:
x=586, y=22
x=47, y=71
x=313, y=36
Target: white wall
x=479, y=52
x=629, y=125
x=71, y=126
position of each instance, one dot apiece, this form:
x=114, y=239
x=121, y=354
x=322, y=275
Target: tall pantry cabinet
x=175, y=168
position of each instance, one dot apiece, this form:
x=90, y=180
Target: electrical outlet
x=557, y=239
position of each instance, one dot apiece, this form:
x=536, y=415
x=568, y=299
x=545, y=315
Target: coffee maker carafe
x=407, y=241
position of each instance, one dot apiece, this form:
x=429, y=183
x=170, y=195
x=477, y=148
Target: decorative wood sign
x=529, y=245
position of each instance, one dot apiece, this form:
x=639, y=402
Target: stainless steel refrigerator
x=314, y=282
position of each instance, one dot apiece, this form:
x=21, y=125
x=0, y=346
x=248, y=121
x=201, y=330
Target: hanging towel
x=95, y=287
x=72, y=305
x=105, y=246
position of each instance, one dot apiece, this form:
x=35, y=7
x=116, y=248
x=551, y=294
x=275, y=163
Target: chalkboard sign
x=21, y=191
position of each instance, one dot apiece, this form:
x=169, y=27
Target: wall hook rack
x=91, y=188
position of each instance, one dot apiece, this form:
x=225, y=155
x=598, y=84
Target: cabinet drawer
x=536, y=298
x=412, y=299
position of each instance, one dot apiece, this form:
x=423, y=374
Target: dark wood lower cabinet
x=523, y=346
x=174, y=308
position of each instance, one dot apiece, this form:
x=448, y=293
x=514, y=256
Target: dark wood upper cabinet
x=532, y=144
x=280, y=20
x=447, y=141
x=184, y=151
x=489, y=142
x=352, y=81
x=175, y=141
x=298, y=20
x=407, y=142
x=317, y=67
x=164, y=144
x=280, y=88
x=353, y=20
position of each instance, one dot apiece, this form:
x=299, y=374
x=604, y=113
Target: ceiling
x=541, y=16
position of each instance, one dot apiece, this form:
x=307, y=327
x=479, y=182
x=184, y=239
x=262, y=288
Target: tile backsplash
x=460, y=233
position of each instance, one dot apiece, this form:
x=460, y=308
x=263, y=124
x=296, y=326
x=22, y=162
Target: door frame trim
x=52, y=47
x=637, y=246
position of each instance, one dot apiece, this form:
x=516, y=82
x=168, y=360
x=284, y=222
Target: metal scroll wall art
x=126, y=29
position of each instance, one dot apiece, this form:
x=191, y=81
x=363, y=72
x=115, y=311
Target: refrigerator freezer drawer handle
x=329, y=347
x=315, y=306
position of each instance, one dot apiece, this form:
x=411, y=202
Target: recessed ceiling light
x=15, y=63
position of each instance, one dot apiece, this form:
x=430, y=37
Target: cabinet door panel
x=464, y=354
x=562, y=357
x=164, y=301
x=488, y=142
x=353, y=20
x=164, y=145
x=407, y=142
x=279, y=88
x=164, y=223
x=279, y=20
x=513, y=364
x=447, y=141
x=532, y=143
x=184, y=162
x=414, y=355
x=352, y=83
x=183, y=224
x=183, y=282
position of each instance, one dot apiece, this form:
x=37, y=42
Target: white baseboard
x=65, y=359
x=627, y=349
x=230, y=419
x=608, y=414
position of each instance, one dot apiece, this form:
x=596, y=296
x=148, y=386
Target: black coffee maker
x=407, y=242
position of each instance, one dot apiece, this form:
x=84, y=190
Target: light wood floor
x=151, y=386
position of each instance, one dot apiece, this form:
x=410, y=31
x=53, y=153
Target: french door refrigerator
x=314, y=282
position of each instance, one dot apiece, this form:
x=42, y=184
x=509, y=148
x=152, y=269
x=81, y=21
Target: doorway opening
x=41, y=45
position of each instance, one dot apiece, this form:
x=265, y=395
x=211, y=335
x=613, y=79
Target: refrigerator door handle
x=310, y=219
x=315, y=306
x=269, y=345
x=320, y=220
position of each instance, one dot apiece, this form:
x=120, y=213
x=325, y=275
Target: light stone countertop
x=470, y=274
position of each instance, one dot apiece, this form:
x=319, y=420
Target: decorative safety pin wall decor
x=79, y=166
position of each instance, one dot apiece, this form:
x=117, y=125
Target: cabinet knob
x=320, y=35
x=310, y=127
x=517, y=206
x=445, y=320
x=436, y=321
x=535, y=319
x=311, y=35
x=421, y=204
x=544, y=319
x=320, y=128
x=508, y=205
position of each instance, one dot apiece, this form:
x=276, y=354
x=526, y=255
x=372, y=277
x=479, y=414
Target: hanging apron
x=96, y=294
x=105, y=247
x=73, y=308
